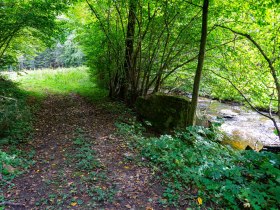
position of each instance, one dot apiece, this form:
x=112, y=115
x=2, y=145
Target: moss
x=164, y=111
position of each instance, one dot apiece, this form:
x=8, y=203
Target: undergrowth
x=94, y=181
x=82, y=183
x=84, y=155
x=15, y=127
x=197, y=170
x=12, y=164
x=15, y=114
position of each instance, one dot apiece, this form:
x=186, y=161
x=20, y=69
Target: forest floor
x=80, y=162
x=88, y=152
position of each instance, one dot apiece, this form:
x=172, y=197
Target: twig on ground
x=8, y=203
x=8, y=98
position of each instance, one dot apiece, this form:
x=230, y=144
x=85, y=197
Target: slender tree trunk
x=128, y=61
x=195, y=94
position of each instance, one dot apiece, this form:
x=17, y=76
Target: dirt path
x=80, y=163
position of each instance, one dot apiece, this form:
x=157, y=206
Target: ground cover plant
x=85, y=160
x=197, y=169
x=13, y=163
x=81, y=179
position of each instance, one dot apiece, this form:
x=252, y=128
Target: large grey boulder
x=164, y=111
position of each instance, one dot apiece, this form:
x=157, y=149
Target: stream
x=241, y=126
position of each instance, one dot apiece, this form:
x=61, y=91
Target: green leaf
x=80, y=201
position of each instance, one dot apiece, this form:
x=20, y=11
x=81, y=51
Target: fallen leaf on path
x=199, y=201
x=128, y=206
x=74, y=204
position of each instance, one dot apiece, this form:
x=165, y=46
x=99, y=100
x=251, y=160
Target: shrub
x=195, y=166
x=15, y=115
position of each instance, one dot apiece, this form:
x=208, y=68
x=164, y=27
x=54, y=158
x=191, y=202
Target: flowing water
x=242, y=126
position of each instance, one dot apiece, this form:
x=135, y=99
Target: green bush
x=194, y=165
x=15, y=115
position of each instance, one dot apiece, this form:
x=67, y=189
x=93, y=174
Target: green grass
x=61, y=81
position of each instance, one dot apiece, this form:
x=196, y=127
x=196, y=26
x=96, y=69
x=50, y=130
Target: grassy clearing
x=60, y=81
x=198, y=171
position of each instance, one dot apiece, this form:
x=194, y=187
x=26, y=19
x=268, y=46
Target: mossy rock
x=164, y=111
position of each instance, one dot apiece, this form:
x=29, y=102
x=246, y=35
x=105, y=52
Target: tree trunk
x=128, y=61
x=195, y=94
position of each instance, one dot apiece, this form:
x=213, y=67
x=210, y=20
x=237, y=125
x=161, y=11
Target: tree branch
x=101, y=24
x=191, y=3
x=249, y=103
x=121, y=19
x=193, y=58
x=269, y=61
